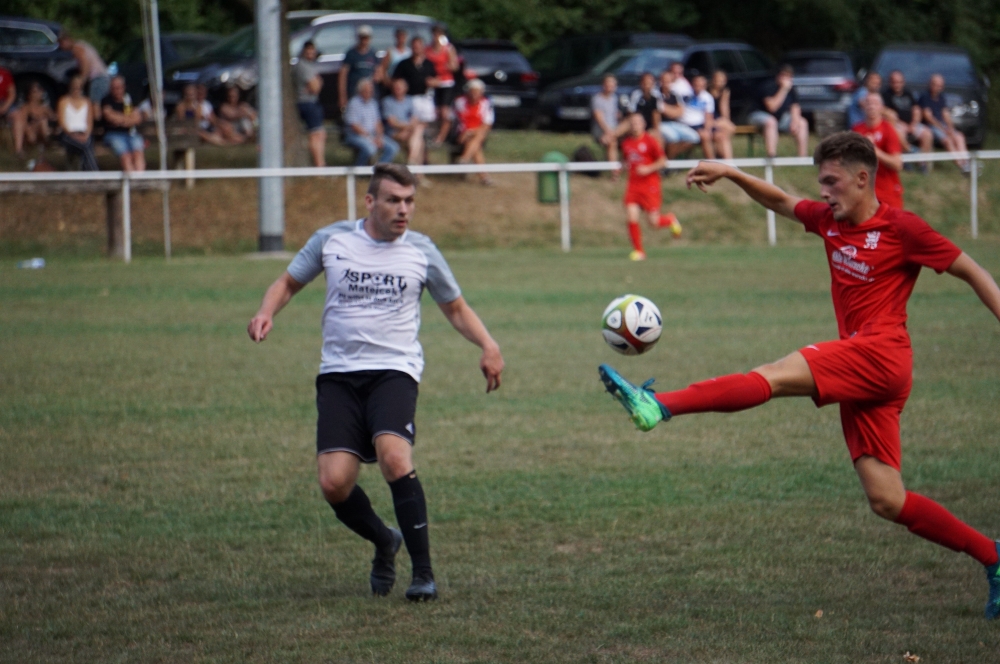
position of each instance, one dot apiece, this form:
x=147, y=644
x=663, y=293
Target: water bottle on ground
x=31, y=264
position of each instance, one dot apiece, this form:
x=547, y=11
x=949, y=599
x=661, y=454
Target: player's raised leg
x=789, y=376
x=396, y=463
x=338, y=476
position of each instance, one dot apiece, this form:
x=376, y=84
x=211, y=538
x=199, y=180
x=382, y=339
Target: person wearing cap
x=360, y=62
x=474, y=114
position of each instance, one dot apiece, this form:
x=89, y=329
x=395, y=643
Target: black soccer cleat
x=423, y=589
x=383, y=575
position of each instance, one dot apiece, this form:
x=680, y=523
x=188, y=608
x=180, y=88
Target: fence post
x=772, y=231
x=352, y=190
x=167, y=243
x=974, y=194
x=564, y=206
x=126, y=218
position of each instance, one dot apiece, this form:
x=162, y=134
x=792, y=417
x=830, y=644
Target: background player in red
x=644, y=158
x=875, y=254
x=888, y=149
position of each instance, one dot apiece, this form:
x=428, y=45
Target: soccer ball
x=632, y=324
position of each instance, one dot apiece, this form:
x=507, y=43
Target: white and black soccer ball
x=632, y=324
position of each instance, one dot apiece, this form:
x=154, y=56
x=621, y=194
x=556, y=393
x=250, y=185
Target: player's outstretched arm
x=464, y=319
x=707, y=173
x=982, y=282
x=277, y=296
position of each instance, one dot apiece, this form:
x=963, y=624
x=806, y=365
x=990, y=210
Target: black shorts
x=444, y=96
x=356, y=407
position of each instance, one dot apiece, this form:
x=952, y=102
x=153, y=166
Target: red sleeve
x=657, y=151
x=890, y=140
x=925, y=246
x=811, y=214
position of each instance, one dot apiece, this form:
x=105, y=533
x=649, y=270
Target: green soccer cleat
x=642, y=406
x=993, y=576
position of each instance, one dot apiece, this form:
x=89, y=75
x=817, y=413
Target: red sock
x=726, y=394
x=926, y=518
x=635, y=233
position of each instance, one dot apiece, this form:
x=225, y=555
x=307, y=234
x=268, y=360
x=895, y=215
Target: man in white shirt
x=366, y=392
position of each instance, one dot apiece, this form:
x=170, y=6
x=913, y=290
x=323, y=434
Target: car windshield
x=820, y=66
x=240, y=44
x=918, y=66
x=637, y=61
x=509, y=60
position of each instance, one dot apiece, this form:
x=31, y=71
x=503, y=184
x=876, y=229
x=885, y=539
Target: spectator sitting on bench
x=121, y=120
x=363, y=128
x=938, y=118
x=37, y=115
x=780, y=112
x=213, y=124
x=723, y=127
x=240, y=114
x=76, y=120
x=872, y=85
x=474, y=117
x=699, y=113
x=677, y=136
x=402, y=124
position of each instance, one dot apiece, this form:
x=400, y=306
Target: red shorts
x=649, y=200
x=870, y=376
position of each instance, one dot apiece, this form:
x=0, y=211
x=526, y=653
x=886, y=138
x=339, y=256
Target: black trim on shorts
x=355, y=407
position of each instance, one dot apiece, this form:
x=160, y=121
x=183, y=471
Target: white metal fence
x=351, y=173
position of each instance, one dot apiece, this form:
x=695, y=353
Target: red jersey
x=641, y=151
x=874, y=265
x=6, y=83
x=888, y=188
x=473, y=116
x=439, y=58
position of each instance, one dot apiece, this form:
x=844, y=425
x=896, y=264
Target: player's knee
x=394, y=465
x=335, y=488
x=885, y=505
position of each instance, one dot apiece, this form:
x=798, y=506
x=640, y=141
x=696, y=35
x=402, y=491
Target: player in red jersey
x=888, y=149
x=644, y=157
x=875, y=254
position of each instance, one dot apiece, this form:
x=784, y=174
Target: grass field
x=158, y=501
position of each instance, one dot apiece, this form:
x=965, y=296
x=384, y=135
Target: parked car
x=965, y=91
x=30, y=50
x=573, y=56
x=511, y=83
x=824, y=80
x=233, y=61
x=130, y=60
x=566, y=105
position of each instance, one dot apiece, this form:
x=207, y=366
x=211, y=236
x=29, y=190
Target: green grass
x=158, y=500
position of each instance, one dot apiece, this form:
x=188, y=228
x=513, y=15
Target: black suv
x=566, y=105
x=30, y=50
x=965, y=90
x=576, y=55
x=130, y=60
x=511, y=83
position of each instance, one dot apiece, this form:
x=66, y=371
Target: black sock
x=411, y=514
x=357, y=514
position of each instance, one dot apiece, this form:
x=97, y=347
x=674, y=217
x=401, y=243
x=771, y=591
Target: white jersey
x=372, y=314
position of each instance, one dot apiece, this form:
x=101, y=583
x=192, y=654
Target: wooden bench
x=751, y=132
x=112, y=189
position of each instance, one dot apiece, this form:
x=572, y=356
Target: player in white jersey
x=366, y=392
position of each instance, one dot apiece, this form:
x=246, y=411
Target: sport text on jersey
x=376, y=290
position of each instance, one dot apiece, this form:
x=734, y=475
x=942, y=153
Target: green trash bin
x=548, y=181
